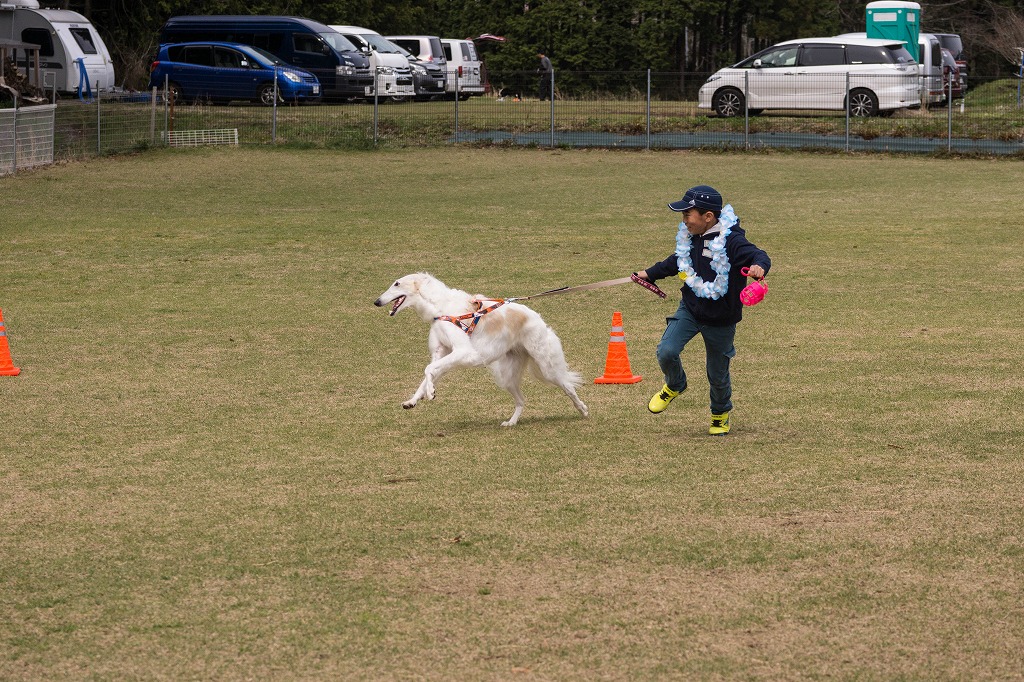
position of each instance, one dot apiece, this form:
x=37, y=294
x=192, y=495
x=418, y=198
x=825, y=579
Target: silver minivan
x=867, y=76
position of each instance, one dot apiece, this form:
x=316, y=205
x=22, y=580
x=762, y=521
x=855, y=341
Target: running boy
x=711, y=248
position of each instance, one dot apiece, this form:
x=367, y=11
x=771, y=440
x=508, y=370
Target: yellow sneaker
x=719, y=424
x=662, y=398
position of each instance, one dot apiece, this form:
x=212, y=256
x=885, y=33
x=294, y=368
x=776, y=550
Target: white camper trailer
x=71, y=53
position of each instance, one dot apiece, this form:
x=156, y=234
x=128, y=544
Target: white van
x=866, y=76
x=465, y=70
x=394, y=75
x=71, y=53
x=929, y=66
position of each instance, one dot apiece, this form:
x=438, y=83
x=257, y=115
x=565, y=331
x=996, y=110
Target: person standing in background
x=544, y=84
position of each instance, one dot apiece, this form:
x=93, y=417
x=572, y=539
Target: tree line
x=693, y=36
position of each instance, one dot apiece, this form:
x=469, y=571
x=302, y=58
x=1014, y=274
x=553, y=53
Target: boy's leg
x=680, y=328
x=718, y=343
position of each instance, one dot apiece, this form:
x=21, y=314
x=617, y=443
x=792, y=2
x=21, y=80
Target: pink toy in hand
x=754, y=292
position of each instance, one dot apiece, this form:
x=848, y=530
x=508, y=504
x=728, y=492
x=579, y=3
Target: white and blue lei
x=719, y=259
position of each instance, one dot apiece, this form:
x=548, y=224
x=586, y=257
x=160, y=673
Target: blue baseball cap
x=702, y=197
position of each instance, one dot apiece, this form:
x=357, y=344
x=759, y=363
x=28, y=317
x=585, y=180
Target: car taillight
x=460, y=72
x=152, y=67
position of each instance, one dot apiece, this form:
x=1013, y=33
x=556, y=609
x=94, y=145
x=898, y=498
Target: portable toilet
x=894, y=20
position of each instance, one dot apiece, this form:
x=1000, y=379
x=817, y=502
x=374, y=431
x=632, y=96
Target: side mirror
x=245, y=64
x=757, y=64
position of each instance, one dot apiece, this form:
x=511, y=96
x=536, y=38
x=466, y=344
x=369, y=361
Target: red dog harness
x=468, y=327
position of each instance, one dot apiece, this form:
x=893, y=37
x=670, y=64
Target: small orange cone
x=7, y=368
x=616, y=366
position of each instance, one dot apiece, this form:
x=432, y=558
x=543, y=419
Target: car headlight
x=418, y=70
x=345, y=70
x=386, y=70
x=292, y=76
x=713, y=79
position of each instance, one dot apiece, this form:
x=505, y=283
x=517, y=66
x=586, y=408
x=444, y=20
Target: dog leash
x=651, y=286
x=470, y=327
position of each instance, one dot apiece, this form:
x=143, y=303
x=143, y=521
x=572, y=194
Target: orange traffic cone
x=7, y=368
x=616, y=366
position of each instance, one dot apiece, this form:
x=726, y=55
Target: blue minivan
x=229, y=71
x=343, y=71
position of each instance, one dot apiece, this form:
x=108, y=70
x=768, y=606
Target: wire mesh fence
x=26, y=138
x=645, y=110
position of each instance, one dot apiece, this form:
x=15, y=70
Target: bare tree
x=1006, y=32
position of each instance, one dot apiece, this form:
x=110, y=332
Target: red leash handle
x=647, y=285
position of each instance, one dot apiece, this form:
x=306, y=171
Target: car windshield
x=339, y=42
x=381, y=44
x=952, y=43
x=271, y=59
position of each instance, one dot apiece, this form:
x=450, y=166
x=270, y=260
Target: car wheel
x=863, y=103
x=266, y=95
x=464, y=96
x=399, y=99
x=174, y=92
x=728, y=102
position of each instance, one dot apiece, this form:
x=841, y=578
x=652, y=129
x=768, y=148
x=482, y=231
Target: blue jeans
x=718, y=345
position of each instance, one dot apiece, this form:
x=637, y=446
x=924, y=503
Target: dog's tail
x=548, y=363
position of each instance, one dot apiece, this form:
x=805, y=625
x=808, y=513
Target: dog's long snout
x=378, y=303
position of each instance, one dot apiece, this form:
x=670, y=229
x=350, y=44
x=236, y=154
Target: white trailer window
x=84, y=40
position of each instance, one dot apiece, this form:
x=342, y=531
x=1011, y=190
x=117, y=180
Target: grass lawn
x=206, y=473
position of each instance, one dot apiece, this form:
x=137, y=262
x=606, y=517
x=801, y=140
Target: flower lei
x=719, y=259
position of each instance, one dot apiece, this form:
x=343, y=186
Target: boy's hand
x=756, y=271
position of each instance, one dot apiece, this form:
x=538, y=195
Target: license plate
x=316, y=89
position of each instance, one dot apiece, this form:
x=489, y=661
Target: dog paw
x=508, y=423
x=408, y=404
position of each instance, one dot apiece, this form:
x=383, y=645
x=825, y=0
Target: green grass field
x=205, y=471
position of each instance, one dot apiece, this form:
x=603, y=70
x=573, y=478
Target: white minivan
x=465, y=70
x=867, y=76
x=387, y=61
x=929, y=66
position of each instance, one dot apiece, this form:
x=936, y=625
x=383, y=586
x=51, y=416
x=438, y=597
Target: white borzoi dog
x=469, y=331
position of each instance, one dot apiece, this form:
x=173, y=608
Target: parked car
x=814, y=73
x=951, y=76
x=428, y=53
x=343, y=71
x=229, y=71
x=929, y=66
x=388, y=61
x=953, y=43
x=428, y=78
x=465, y=69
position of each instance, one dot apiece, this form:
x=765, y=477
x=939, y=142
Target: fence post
x=99, y=126
x=949, y=114
x=167, y=111
x=273, y=125
x=847, y=100
x=14, y=163
x=746, y=109
x=648, y=110
x=376, y=103
x=457, y=91
x=152, y=116
x=552, y=99
x=1020, y=74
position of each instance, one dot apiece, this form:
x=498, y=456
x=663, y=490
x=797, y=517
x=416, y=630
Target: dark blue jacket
x=742, y=254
